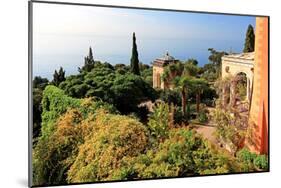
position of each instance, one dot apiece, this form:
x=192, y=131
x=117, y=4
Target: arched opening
x=241, y=88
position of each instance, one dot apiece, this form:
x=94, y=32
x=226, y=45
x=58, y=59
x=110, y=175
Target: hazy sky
x=63, y=33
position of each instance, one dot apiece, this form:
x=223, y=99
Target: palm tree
x=182, y=83
x=199, y=85
x=179, y=76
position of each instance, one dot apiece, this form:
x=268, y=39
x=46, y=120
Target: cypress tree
x=135, y=59
x=249, y=45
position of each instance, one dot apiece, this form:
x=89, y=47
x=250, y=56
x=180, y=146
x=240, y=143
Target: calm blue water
x=149, y=49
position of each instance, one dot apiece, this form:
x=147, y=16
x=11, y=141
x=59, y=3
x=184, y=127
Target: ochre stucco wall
x=257, y=138
x=157, y=71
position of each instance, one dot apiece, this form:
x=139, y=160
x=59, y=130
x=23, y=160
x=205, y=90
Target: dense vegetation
x=86, y=140
x=124, y=90
x=97, y=125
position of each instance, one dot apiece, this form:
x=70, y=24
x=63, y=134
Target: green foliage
x=250, y=161
x=178, y=115
x=249, y=45
x=180, y=76
x=158, y=121
x=192, y=61
x=56, y=103
x=108, y=152
x=37, y=111
x=89, y=62
x=202, y=116
x=72, y=86
x=170, y=96
x=39, y=82
x=39, y=85
x=241, y=87
x=198, y=85
x=209, y=72
x=58, y=77
x=228, y=128
x=125, y=91
x=121, y=68
x=216, y=56
x=146, y=74
x=190, y=69
x=183, y=153
x=129, y=90
x=58, y=144
x=215, y=59
x=83, y=141
x=53, y=156
x=135, y=59
x=261, y=162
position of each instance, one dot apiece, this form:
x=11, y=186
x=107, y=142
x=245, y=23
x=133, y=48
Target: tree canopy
x=58, y=77
x=89, y=62
x=124, y=90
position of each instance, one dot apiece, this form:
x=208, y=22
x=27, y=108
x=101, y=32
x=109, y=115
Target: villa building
x=158, y=70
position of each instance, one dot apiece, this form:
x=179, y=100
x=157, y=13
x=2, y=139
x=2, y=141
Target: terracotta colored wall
x=257, y=140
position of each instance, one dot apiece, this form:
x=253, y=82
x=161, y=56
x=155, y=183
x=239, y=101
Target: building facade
x=158, y=70
x=234, y=64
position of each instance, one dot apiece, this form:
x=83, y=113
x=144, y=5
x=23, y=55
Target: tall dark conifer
x=249, y=45
x=89, y=62
x=135, y=59
x=58, y=76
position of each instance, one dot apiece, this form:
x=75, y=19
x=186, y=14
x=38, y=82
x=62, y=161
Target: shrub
x=107, y=154
x=245, y=155
x=249, y=161
x=56, y=103
x=202, y=117
x=52, y=157
x=158, y=121
x=183, y=153
x=229, y=128
x=261, y=162
x=61, y=134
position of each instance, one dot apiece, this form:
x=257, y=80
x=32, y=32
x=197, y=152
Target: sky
x=62, y=35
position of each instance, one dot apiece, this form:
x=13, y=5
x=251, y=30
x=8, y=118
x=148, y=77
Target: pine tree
x=89, y=62
x=249, y=45
x=135, y=59
x=58, y=76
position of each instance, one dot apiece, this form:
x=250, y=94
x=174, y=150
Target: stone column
x=248, y=89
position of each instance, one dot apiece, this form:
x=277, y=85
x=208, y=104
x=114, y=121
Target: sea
x=115, y=51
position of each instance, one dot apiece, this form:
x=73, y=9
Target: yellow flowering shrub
x=106, y=154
